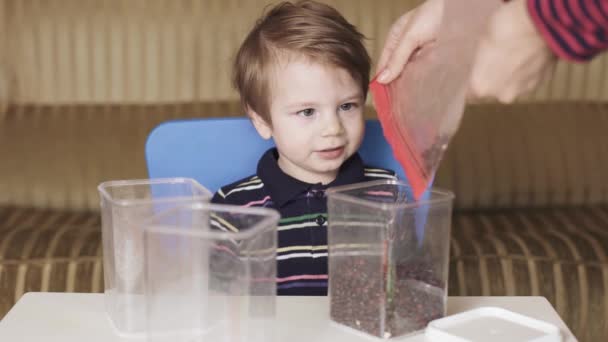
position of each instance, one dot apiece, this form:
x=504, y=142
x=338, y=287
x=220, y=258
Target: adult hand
x=411, y=32
x=512, y=57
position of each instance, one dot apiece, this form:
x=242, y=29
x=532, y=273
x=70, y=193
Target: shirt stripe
x=298, y=225
x=302, y=217
x=255, y=181
x=575, y=30
x=252, y=187
x=220, y=222
x=302, y=250
x=377, y=175
x=302, y=277
x=377, y=171
x=298, y=248
x=258, y=202
x=301, y=255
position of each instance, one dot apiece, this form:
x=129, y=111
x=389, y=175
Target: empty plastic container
x=211, y=274
x=386, y=278
x=125, y=205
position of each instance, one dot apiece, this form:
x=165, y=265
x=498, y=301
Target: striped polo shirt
x=302, y=230
x=575, y=30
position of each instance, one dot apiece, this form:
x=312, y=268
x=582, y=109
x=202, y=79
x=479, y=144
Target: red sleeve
x=575, y=30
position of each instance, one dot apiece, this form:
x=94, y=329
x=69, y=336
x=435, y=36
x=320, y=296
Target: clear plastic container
x=125, y=205
x=211, y=274
x=386, y=278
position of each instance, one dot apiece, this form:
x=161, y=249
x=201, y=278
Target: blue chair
x=217, y=152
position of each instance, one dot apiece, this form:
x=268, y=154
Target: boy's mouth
x=331, y=153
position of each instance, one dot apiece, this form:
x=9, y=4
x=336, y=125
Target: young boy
x=302, y=74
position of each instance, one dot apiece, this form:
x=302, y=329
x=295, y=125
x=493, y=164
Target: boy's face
x=317, y=119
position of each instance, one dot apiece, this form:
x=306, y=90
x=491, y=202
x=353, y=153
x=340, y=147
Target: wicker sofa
x=83, y=83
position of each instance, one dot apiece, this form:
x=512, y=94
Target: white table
x=77, y=317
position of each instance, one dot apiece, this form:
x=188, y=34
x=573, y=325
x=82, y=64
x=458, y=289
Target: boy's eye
x=348, y=106
x=306, y=112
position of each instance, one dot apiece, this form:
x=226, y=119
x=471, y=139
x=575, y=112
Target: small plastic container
x=125, y=205
x=211, y=274
x=386, y=277
x=491, y=324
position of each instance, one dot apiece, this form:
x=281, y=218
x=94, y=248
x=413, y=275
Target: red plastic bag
x=421, y=110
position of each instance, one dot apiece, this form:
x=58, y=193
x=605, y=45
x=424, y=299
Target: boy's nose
x=332, y=125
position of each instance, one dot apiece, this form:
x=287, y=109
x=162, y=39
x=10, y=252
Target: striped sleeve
x=575, y=30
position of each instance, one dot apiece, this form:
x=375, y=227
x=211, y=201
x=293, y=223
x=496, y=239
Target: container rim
x=441, y=196
x=269, y=221
x=102, y=188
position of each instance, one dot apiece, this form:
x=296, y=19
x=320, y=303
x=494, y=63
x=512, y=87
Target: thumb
x=392, y=39
x=397, y=60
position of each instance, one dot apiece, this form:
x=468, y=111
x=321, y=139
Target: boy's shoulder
x=240, y=192
x=377, y=173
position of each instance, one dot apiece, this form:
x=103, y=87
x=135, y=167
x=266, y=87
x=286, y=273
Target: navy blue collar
x=283, y=188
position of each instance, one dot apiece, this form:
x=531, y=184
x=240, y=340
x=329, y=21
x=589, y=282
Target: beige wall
x=151, y=51
x=144, y=51
x=3, y=67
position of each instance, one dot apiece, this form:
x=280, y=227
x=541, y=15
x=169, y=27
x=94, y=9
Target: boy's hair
x=305, y=28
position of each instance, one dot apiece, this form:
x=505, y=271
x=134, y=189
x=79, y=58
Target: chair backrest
x=217, y=152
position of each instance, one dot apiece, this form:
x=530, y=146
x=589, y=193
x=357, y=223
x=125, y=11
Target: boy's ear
x=263, y=128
